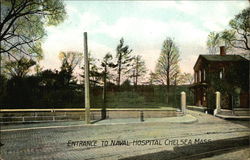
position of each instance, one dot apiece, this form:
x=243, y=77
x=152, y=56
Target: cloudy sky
x=144, y=26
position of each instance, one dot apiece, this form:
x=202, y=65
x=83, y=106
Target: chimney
x=222, y=51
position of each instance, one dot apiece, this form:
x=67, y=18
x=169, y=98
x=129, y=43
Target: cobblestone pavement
x=170, y=140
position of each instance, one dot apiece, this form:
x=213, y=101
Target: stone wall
x=50, y=115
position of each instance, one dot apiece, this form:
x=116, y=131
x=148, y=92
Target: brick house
x=228, y=74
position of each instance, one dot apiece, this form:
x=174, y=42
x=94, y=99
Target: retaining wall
x=50, y=115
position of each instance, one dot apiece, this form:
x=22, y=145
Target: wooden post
x=86, y=70
x=104, y=92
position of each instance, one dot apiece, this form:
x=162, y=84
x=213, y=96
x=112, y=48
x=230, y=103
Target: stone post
x=218, y=107
x=86, y=80
x=183, y=102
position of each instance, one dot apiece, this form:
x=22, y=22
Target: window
x=222, y=73
x=204, y=75
x=204, y=97
x=199, y=75
x=194, y=77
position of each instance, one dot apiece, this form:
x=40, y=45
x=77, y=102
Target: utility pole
x=86, y=87
x=104, y=93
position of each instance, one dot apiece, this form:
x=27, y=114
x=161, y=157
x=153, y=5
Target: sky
x=144, y=25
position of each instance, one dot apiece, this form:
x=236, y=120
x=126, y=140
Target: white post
x=218, y=107
x=86, y=62
x=183, y=102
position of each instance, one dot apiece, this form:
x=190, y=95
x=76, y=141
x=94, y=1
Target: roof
x=223, y=58
x=220, y=58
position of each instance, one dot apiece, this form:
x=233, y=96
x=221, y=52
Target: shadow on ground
x=198, y=151
x=95, y=121
x=243, y=122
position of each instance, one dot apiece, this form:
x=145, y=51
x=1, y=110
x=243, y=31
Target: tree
x=153, y=79
x=71, y=57
x=48, y=79
x=238, y=36
x=176, y=78
x=168, y=62
x=18, y=68
x=185, y=78
x=126, y=83
x=138, y=69
x=188, y=77
x=3, y=87
x=69, y=60
x=38, y=69
x=106, y=64
x=213, y=42
x=167, y=65
x=124, y=58
x=95, y=75
x=22, y=24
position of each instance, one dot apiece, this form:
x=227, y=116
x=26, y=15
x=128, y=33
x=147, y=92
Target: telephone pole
x=86, y=81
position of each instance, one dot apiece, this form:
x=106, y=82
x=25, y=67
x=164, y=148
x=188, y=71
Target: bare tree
x=138, y=69
x=168, y=62
x=69, y=60
x=167, y=65
x=185, y=78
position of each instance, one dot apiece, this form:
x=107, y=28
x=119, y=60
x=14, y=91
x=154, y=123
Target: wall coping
x=91, y=109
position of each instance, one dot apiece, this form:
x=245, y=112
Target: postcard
x=124, y=80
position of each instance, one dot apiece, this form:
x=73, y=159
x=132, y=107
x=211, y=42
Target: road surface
x=207, y=138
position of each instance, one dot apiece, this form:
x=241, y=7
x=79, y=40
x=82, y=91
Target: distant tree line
x=26, y=83
x=23, y=82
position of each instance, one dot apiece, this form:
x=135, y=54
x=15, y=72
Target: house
x=228, y=74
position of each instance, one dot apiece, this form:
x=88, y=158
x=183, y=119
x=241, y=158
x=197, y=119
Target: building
x=228, y=74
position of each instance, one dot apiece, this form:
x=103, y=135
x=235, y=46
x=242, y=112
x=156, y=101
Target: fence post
x=218, y=107
x=183, y=102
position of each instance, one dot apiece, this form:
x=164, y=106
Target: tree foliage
x=185, y=78
x=124, y=59
x=22, y=24
x=138, y=69
x=238, y=36
x=95, y=75
x=213, y=41
x=18, y=68
x=168, y=63
x=69, y=61
x=107, y=65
